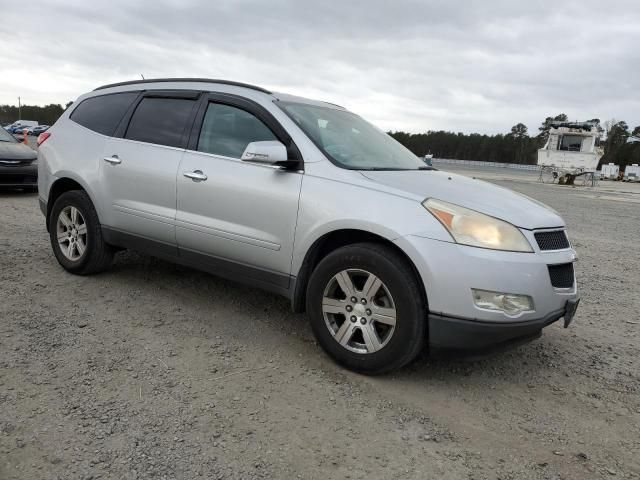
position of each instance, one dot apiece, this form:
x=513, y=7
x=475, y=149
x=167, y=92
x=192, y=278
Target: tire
x=84, y=230
x=400, y=293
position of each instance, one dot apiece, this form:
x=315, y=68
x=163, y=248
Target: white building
x=610, y=172
x=632, y=173
x=571, y=147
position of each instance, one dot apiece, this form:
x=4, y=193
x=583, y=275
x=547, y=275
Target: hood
x=16, y=151
x=483, y=197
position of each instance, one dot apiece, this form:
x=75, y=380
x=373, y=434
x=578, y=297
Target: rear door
x=240, y=216
x=139, y=166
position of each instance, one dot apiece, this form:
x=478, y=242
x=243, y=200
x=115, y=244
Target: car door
x=239, y=217
x=139, y=167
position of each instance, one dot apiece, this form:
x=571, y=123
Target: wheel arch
x=328, y=243
x=63, y=185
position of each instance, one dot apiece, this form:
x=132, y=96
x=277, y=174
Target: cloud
x=474, y=66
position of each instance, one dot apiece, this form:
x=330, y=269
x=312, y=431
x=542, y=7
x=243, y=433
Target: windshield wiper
x=395, y=169
x=392, y=169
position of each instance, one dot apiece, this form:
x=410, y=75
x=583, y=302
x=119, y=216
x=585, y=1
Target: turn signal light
x=509, y=303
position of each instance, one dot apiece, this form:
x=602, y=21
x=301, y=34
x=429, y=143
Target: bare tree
x=608, y=125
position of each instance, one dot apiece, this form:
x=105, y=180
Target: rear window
x=160, y=120
x=102, y=114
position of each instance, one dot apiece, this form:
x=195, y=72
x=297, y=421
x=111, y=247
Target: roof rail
x=203, y=80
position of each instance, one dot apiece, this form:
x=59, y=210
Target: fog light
x=509, y=303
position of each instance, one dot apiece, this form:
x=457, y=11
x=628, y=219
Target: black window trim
x=295, y=160
x=121, y=130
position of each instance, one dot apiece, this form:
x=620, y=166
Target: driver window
x=227, y=131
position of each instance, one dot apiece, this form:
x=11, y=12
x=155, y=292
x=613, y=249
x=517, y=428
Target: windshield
x=6, y=136
x=349, y=141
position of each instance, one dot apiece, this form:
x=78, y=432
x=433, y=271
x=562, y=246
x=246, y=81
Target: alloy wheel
x=71, y=230
x=359, y=311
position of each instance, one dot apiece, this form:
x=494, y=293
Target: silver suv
x=308, y=200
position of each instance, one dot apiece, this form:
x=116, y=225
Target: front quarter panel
x=337, y=199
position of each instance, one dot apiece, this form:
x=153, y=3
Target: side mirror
x=269, y=152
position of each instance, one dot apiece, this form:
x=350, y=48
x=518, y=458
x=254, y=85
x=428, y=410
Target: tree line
x=44, y=115
x=616, y=148
x=517, y=146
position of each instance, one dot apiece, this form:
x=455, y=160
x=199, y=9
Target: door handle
x=113, y=160
x=196, y=175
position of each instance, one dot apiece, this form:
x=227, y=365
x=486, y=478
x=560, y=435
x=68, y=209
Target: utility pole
x=19, y=109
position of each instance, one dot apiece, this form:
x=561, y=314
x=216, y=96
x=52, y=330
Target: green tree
x=596, y=123
x=618, y=134
x=546, y=126
x=517, y=148
x=519, y=131
x=519, y=142
x=615, y=148
x=46, y=114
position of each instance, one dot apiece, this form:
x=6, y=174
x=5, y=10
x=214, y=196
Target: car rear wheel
x=76, y=235
x=366, y=308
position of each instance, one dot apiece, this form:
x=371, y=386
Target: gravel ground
x=157, y=371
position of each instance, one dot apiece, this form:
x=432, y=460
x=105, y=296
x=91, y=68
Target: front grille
x=555, y=240
x=561, y=275
x=16, y=179
x=10, y=162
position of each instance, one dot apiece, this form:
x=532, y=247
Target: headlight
x=469, y=227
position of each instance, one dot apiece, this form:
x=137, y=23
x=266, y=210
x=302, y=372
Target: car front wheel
x=366, y=308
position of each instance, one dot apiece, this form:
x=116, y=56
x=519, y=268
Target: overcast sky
x=471, y=66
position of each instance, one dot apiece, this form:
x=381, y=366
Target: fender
x=67, y=174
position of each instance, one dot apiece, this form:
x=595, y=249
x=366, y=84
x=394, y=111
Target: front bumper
x=452, y=333
x=449, y=271
x=19, y=176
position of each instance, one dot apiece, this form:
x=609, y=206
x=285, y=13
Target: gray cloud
x=478, y=66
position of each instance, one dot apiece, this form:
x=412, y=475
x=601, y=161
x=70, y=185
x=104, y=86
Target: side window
x=228, y=130
x=160, y=120
x=102, y=114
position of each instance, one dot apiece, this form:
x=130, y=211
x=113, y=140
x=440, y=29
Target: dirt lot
x=157, y=371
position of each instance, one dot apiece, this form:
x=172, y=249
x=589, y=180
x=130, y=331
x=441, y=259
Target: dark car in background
x=18, y=166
